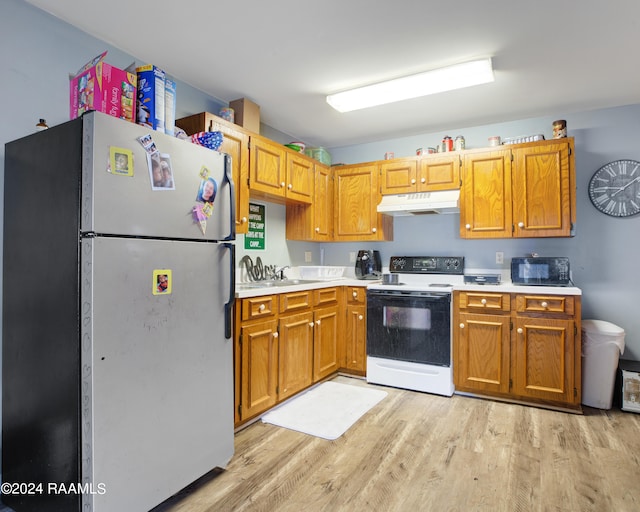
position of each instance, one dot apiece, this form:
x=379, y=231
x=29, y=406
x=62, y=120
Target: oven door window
x=408, y=328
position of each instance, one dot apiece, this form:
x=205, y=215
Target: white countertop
x=242, y=293
x=503, y=287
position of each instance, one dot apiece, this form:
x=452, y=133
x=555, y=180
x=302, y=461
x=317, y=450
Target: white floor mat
x=326, y=411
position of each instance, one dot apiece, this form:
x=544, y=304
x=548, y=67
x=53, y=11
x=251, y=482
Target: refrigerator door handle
x=228, y=307
x=228, y=174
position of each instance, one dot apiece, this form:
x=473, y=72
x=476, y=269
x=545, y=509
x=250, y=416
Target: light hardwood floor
x=422, y=452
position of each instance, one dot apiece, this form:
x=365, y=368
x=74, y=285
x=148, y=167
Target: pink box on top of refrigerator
x=102, y=87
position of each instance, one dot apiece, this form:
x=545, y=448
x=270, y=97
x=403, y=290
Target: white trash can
x=602, y=344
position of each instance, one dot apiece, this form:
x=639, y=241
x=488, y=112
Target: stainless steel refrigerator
x=118, y=289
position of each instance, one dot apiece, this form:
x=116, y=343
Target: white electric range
x=409, y=324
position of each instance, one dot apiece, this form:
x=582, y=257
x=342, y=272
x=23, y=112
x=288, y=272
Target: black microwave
x=541, y=271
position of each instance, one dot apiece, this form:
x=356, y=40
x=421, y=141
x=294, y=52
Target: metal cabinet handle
x=484, y=302
x=423, y=180
x=355, y=295
x=241, y=221
x=413, y=181
x=520, y=331
x=317, y=230
x=467, y=226
x=461, y=326
x=544, y=304
x=311, y=324
x=374, y=230
x=290, y=186
x=318, y=322
x=261, y=307
x=360, y=317
x=282, y=183
x=275, y=334
x=520, y=224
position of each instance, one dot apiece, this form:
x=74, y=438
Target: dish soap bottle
x=42, y=125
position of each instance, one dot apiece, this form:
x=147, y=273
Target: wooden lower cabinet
x=295, y=359
x=325, y=342
x=355, y=345
x=482, y=358
x=283, y=344
x=259, y=368
x=524, y=347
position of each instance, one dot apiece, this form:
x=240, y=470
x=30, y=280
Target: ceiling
x=550, y=58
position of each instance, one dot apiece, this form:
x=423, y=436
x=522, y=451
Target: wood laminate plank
x=421, y=452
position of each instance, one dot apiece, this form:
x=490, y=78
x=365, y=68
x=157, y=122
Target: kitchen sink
x=276, y=283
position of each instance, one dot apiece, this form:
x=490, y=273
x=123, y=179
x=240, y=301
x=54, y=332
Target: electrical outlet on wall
x=499, y=257
x=352, y=257
x=307, y=257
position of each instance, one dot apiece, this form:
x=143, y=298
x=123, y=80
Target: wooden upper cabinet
x=356, y=197
x=542, y=194
x=300, y=178
x=267, y=168
x=398, y=176
x=485, y=205
x=236, y=144
x=323, y=204
x=313, y=222
x=439, y=172
x=409, y=175
x=520, y=191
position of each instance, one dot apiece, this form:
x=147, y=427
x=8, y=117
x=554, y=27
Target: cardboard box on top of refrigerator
x=151, y=97
x=102, y=87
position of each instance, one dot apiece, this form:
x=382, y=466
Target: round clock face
x=614, y=189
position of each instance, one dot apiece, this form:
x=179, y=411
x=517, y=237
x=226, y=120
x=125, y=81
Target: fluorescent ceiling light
x=431, y=82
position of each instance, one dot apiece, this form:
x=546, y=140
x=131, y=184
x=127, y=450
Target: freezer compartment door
x=157, y=370
x=130, y=190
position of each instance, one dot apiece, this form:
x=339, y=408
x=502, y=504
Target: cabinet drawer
x=295, y=301
x=259, y=307
x=325, y=297
x=485, y=301
x=356, y=295
x=545, y=304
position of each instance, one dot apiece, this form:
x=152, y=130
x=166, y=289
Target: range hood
x=421, y=203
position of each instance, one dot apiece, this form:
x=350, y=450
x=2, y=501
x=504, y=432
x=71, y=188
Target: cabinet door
x=481, y=353
x=236, y=144
x=439, y=173
x=323, y=204
x=398, y=176
x=267, y=168
x=325, y=342
x=300, y=178
x=356, y=339
x=543, y=366
x=356, y=200
x=259, y=368
x=315, y=221
x=541, y=190
x=296, y=354
x=485, y=203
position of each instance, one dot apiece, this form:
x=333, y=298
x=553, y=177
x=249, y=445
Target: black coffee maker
x=368, y=265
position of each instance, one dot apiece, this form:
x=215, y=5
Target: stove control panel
x=427, y=264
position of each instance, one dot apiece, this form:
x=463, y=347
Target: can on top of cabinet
x=447, y=144
x=389, y=155
x=559, y=129
x=459, y=143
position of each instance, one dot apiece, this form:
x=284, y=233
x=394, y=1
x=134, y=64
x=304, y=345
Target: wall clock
x=614, y=189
